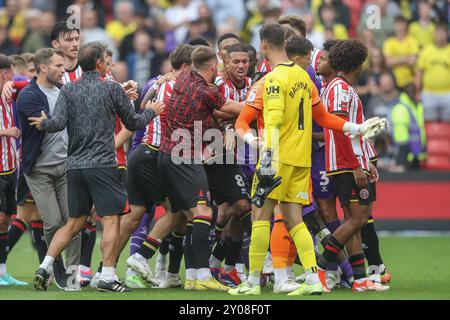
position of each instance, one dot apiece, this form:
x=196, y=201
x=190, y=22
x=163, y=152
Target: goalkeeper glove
x=266, y=179
x=368, y=129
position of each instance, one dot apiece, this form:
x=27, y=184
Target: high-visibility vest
x=415, y=135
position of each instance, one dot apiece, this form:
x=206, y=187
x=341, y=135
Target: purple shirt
x=139, y=134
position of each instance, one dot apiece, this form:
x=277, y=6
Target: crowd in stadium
x=149, y=30
x=232, y=62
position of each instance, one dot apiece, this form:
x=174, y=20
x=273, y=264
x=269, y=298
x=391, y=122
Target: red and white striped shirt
x=229, y=90
x=8, y=149
x=342, y=153
x=152, y=135
x=72, y=75
x=315, y=57
x=370, y=151
x=265, y=66
x=121, y=156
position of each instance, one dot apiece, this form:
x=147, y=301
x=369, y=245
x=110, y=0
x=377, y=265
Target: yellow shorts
x=294, y=187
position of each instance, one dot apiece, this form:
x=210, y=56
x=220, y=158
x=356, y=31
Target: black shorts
x=347, y=190
x=123, y=174
x=23, y=192
x=144, y=185
x=96, y=186
x=8, y=203
x=227, y=183
x=186, y=185
x=373, y=185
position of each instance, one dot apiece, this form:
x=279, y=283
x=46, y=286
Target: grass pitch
x=420, y=268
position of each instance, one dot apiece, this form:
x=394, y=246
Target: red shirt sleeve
x=19, y=85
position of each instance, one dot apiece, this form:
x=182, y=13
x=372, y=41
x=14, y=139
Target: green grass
x=420, y=268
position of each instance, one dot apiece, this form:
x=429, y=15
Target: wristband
x=352, y=128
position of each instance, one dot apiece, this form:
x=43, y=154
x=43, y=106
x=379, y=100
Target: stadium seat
x=438, y=147
x=437, y=130
x=438, y=162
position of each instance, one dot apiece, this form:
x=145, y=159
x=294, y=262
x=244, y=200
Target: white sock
x=108, y=274
x=214, y=262
x=228, y=268
x=312, y=278
x=254, y=279
x=290, y=273
x=47, y=264
x=191, y=274
x=280, y=275
x=2, y=269
x=203, y=274
x=240, y=267
x=161, y=260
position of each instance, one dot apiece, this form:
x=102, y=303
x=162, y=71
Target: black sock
x=100, y=267
x=200, y=241
x=246, y=220
x=189, y=258
x=371, y=244
x=219, y=229
x=233, y=249
x=88, y=235
x=149, y=247
x=219, y=250
x=358, y=266
x=37, y=234
x=175, y=252
x=331, y=250
x=15, y=231
x=164, y=247
x=3, y=246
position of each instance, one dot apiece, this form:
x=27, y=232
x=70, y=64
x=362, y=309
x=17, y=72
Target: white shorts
x=436, y=106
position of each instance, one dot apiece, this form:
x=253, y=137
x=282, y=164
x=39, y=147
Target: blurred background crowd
x=406, y=78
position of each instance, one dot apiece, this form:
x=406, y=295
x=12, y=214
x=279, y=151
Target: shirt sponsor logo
x=273, y=90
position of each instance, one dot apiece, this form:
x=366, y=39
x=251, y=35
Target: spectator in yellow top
x=329, y=23
x=423, y=29
x=13, y=19
x=433, y=76
x=400, y=52
x=124, y=24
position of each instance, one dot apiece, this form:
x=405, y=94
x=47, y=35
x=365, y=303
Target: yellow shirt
x=395, y=48
x=423, y=35
x=435, y=64
x=17, y=30
x=339, y=31
x=117, y=31
x=288, y=100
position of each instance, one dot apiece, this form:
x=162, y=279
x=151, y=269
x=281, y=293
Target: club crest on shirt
x=345, y=96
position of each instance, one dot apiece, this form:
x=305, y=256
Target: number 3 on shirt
x=301, y=116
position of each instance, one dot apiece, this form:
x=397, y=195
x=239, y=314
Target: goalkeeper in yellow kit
x=291, y=101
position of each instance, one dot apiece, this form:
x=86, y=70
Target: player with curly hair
x=348, y=164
